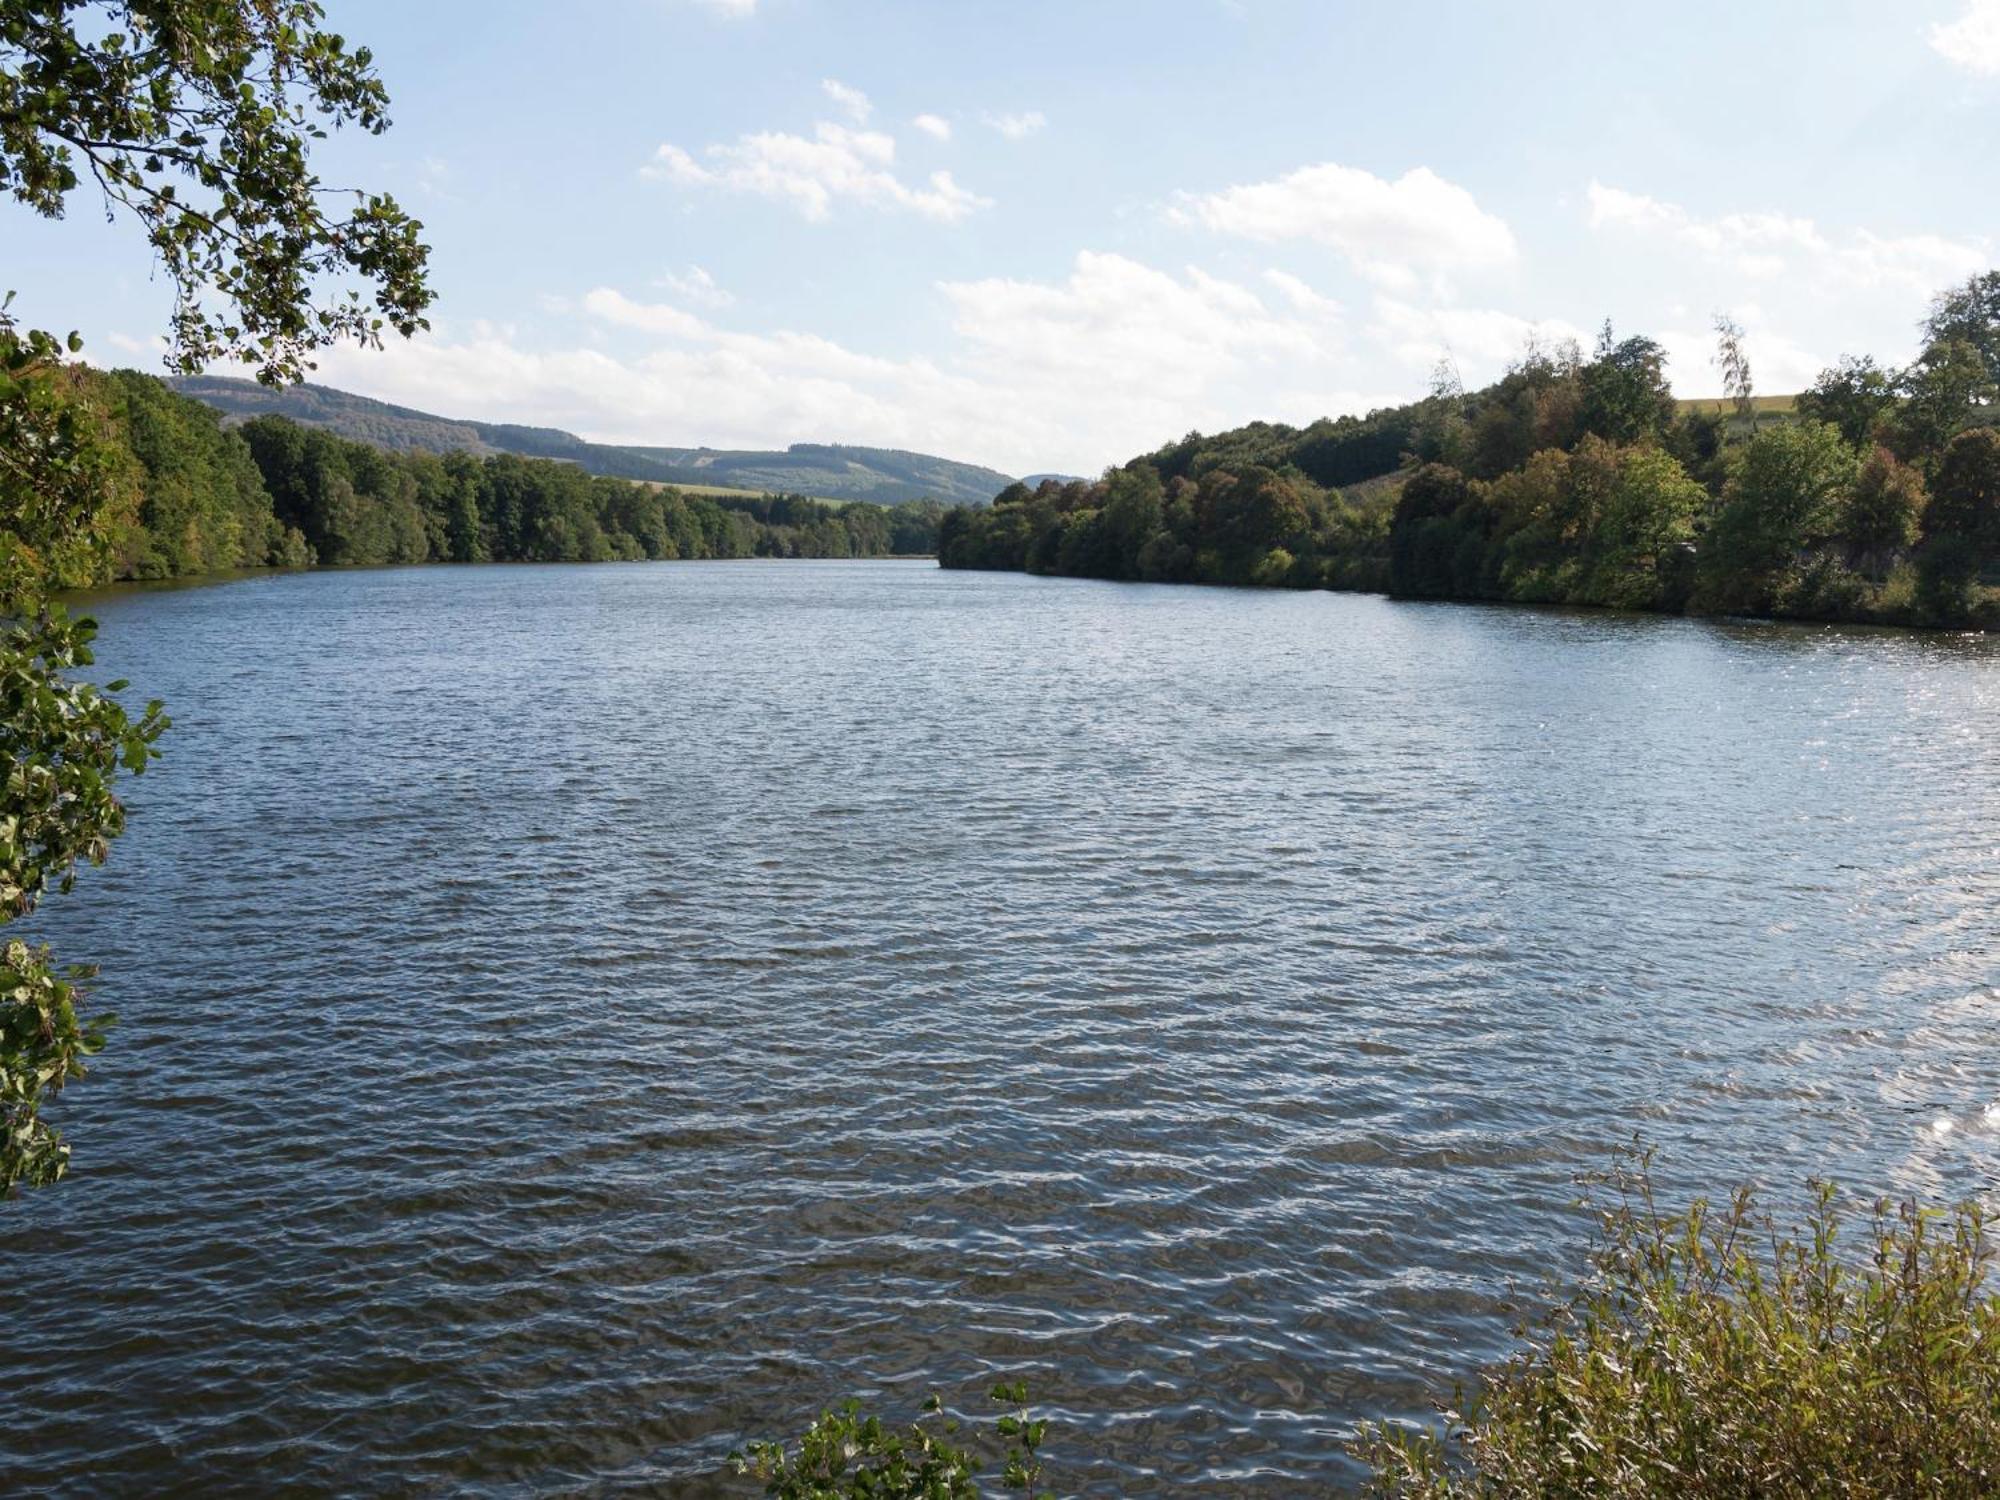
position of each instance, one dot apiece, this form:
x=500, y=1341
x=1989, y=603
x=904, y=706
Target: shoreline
x=1542, y=605
x=121, y=586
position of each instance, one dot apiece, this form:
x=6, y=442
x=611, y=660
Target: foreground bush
x=846, y=1455
x=1711, y=1353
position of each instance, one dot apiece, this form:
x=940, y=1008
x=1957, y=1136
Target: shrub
x=1966, y=504
x=64, y=743
x=1880, y=516
x=1947, y=579
x=1897, y=598
x=1710, y=1353
x=1824, y=589
x=1275, y=570
x=1785, y=496
x=847, y=1454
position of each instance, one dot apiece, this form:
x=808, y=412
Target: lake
x=575, y=1019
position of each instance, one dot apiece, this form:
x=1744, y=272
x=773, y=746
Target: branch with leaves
x=196, y=117
x=62, y=742
x=847, y=1454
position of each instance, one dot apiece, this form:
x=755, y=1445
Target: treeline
x=195, y=497
x=1577, y=480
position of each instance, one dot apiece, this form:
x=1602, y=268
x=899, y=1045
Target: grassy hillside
x=883, y=476
x=1768, y=411
x=1716, y=406
x=395, y=429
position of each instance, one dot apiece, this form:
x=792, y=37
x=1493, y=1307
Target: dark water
x=577, y=1018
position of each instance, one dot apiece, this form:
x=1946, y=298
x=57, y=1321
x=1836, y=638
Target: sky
x=1046, y=235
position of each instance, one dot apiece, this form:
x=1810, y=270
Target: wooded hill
x=831, y=471
x=1577, y=479
x=185, y=495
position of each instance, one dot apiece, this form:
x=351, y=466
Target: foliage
x=178, y=494
x=63, y=743
x=1969, y=316
x=1880, y=515
x=201, y=505
x=1607, y=525
x=1941, y=394
x=1783, y=501
x=1572, y=480
x=1734, y=362
x=1711, y=1352
x=1855, y=395
x=882, y=476
x=1961, y=527
x=58, y=470
x=1646, y=530
x=1625, y=394
x=846, y=1453
x=354, y=504
x=1225, y=527
x=196, y=116
x=43, y=1044
x=1440, y=525
x=1966, y=494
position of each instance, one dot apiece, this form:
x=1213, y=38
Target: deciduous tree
x=196, y=117
x=1854, y=395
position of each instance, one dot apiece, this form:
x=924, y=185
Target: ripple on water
x=577, y=1019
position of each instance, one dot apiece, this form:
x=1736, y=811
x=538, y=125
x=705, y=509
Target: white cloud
x=1972, y=41
x=1123, y=323
x=697, y=286
x=648, y=317
x=1767, y=246
x=735, y=9
x=812, y=173
x=1301, y=296
x=1018, y=127
x=851, y=102
x=144, y=354
x=1481, y=341
x=935, y=126
x=1110, y=360
x=1389, y=231
x=1777, y=364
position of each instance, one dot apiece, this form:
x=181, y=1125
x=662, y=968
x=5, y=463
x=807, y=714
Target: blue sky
x=1051, y=235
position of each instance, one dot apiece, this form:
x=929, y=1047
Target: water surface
x=575, y=1019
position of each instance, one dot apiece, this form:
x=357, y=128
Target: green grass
x=731, y=492
x=1765, y=406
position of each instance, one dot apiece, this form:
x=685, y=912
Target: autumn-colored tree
x=1880, y=516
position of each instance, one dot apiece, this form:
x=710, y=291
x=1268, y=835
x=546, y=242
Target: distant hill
x=830, y=471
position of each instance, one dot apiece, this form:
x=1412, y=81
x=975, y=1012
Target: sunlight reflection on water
x=577, y=1018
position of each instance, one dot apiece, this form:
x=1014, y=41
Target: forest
x=1577, y=480
x=191, y=496
x=827, y=471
